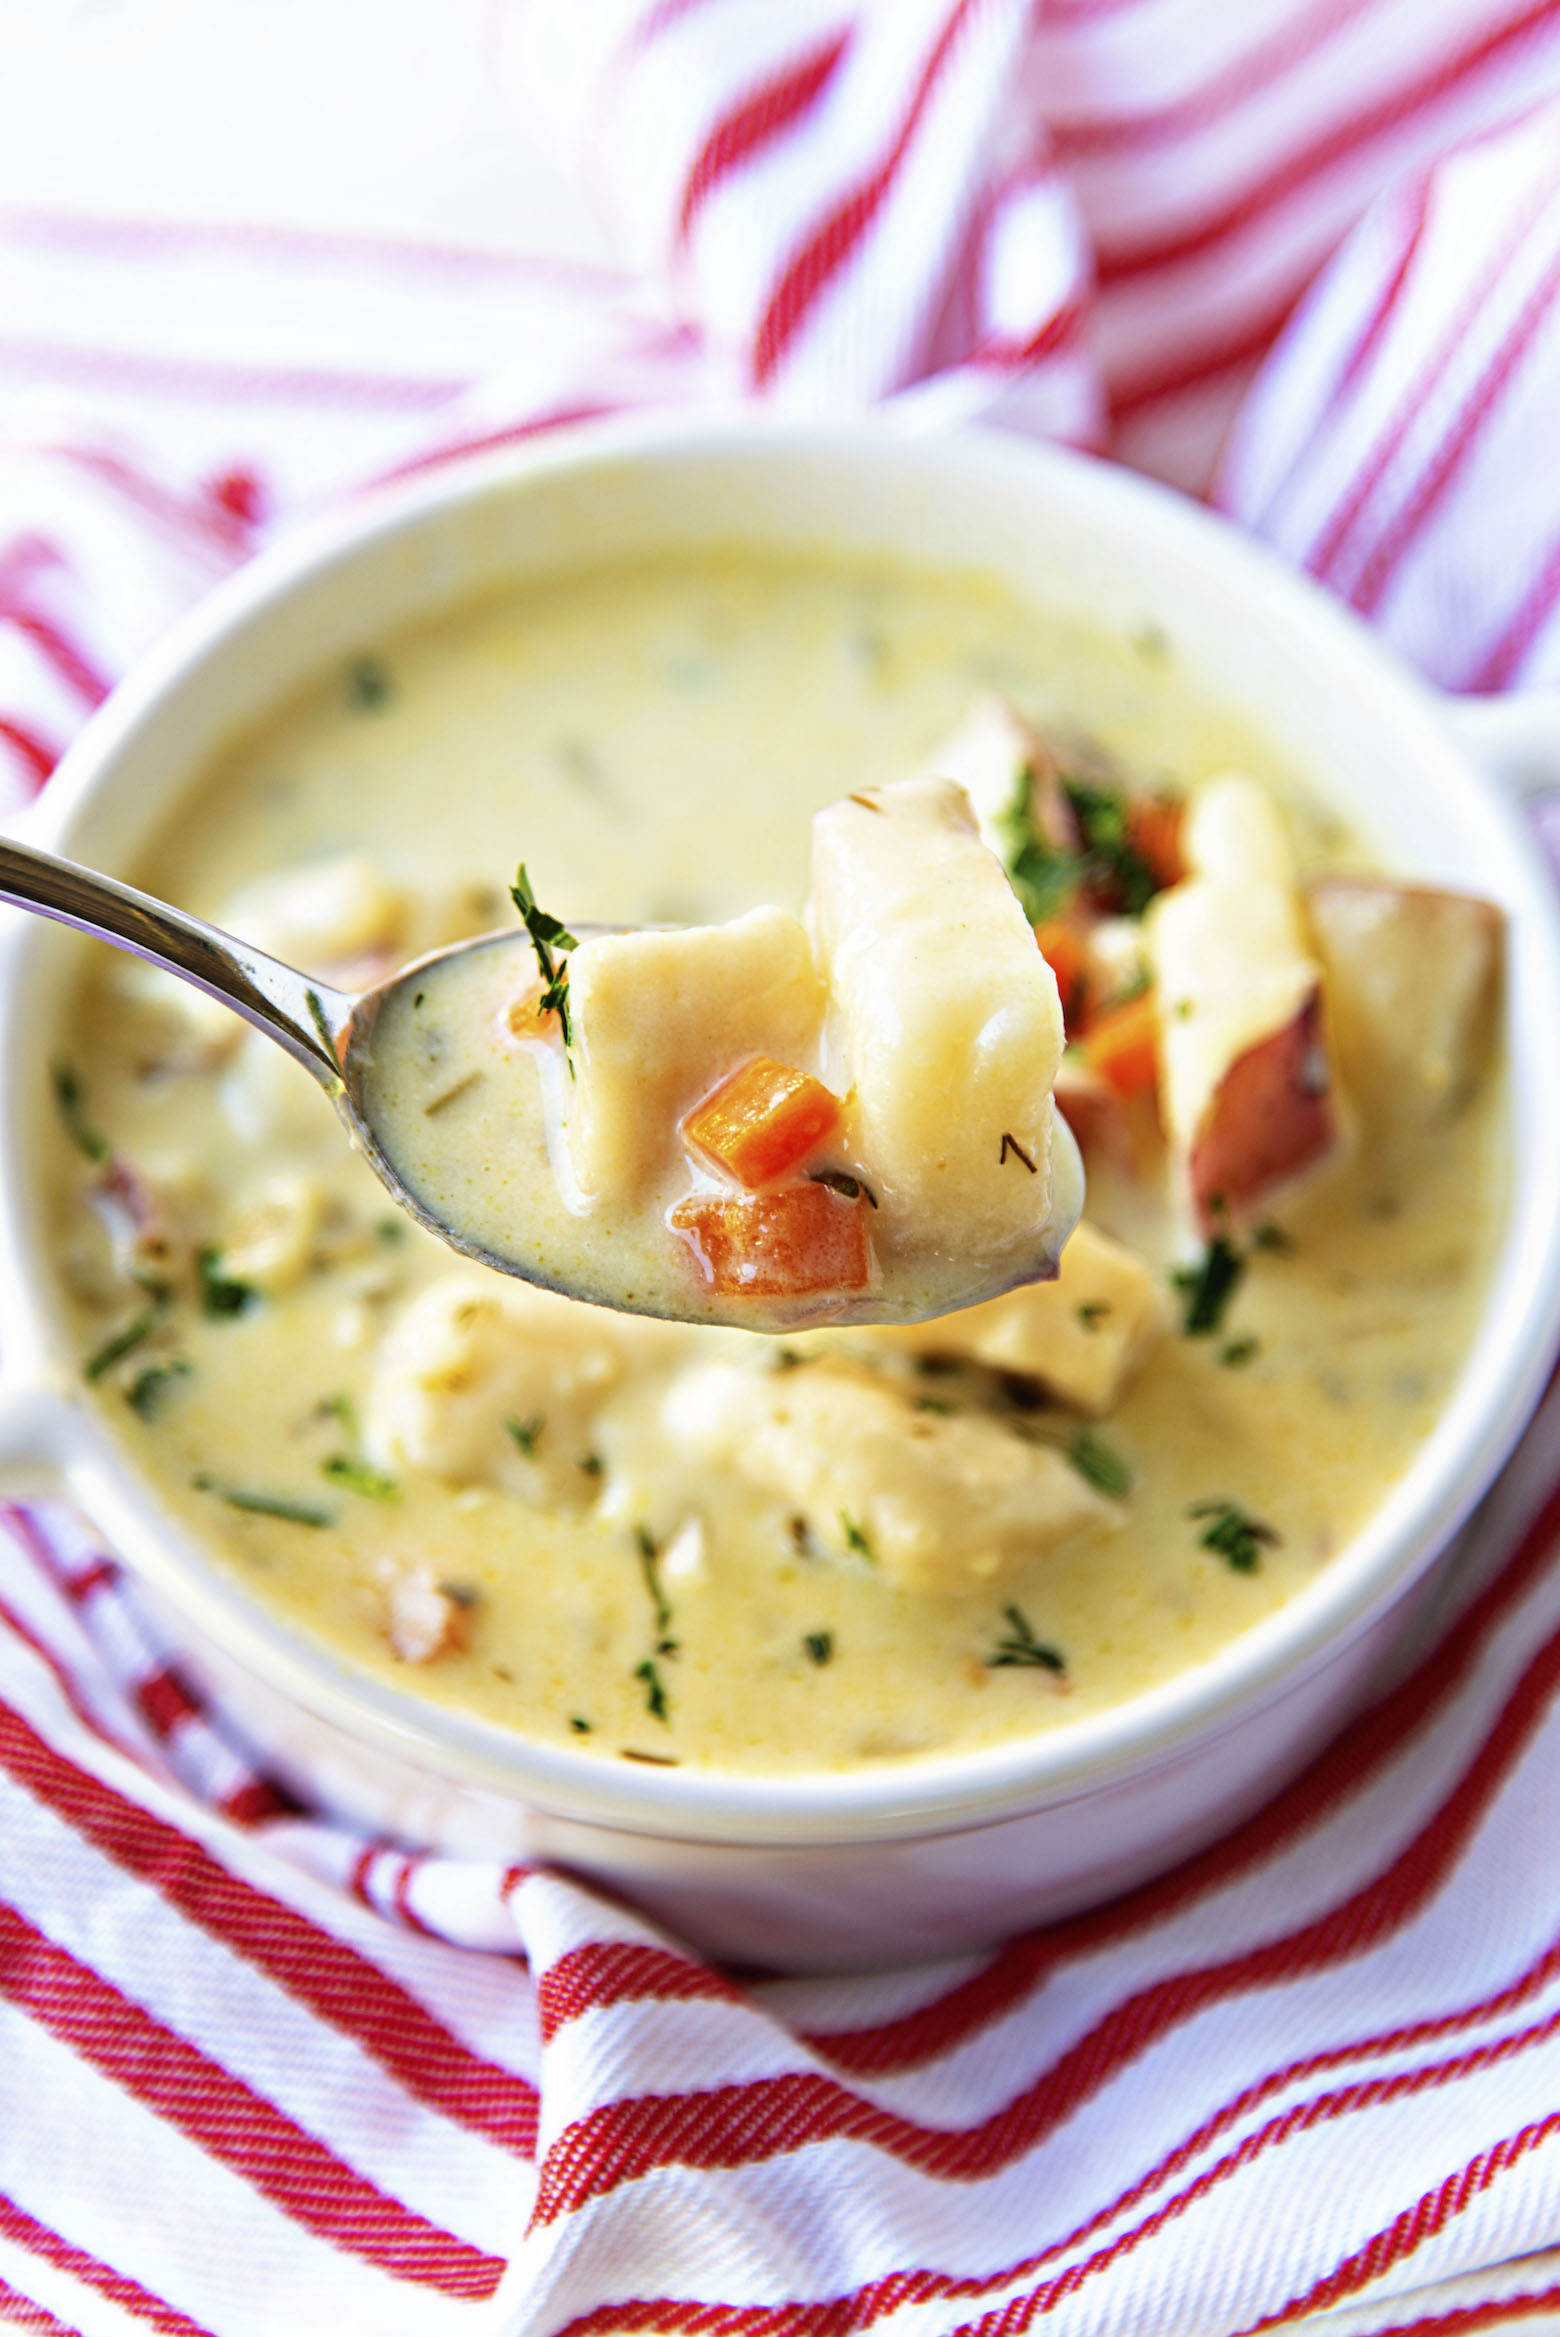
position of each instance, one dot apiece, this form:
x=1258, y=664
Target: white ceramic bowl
x=889, y=1862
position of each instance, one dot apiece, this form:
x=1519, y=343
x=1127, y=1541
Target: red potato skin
x=793, y=1241
x=1272, y=1116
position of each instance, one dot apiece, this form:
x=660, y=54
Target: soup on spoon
x=779, y=1121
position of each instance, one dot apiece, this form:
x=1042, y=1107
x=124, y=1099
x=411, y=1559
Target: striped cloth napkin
x=258, y=2073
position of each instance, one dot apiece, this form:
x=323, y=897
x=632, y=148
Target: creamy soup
x=700, y=1546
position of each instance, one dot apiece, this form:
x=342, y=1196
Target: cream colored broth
x=651, y=742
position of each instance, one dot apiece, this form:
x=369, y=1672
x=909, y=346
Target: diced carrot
x=1061, y=946
x=791, y=1243
x=1154, y=833
x=761, y=1121
x=1123, y=1045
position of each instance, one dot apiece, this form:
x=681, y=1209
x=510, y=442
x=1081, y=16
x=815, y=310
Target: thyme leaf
x=524, y=1433
x=145, y=1393
x=657, y=1702
x=551, y=941
x=1232, y=1534
x=220, y=1295
x=293, y=1513
x=1019, y=1649
x=1208, y=1287
x=121, y=1343
x=1094, y=1460
x=358, y=1477
x=857, y=1538
x=71, y=1097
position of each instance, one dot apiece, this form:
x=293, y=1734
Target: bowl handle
x=34, y=1431
x=1515, y=739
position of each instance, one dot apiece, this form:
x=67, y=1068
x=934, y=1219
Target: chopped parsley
x=123, y=1342
x=293, y=1513
x=1110, y=864
x=146, y=1391
x=819, y=1646
x=856, y=1538
x=1020, y=1650
x=358, y=1477
x=1094, y=1460
x=1234, y=1536
x=1207, y=1288
x=551, y=941
x=368, y=685
x=220, y=1295
x=525, y=1433
x=71, y=1097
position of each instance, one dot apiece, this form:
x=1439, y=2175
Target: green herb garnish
x=657, y=1702
x=1019, y=1649
x=220, y=1295
x=1094, y=1460
x=1237, y=1538
x=819, y=1646
x=1093, y=1314
x=122, y=1343
x=856, y=1538
x=1110, y=863
x=581, y=1728
x=1208, y=1287
x=368, y=685
x=1236, y=1352
x=650, y=1568
x=357, y=1477
x=71, y=1097
x=548, y=937
x=592, y=1464
x=848, y=1188
x=390, y=1229
x=935, y=1404
x=293, y=1513
x=524, y=1433
x=1041, y=876
x=1273, y=1237
x=145, y=1393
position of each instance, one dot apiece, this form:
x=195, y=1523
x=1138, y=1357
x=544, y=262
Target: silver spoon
x=331, y=1033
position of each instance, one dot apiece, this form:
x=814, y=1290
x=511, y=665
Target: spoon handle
x=307, y=1018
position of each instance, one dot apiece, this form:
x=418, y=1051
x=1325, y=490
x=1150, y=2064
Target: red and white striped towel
x=257, y=2073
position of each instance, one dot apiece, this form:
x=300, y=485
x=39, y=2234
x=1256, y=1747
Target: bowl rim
x=927, y=1793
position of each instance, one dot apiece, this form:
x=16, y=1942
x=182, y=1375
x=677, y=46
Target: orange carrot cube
x=791, y=1243
x=1123, y=1045
x=761, y=1121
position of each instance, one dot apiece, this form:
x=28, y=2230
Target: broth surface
x=651, y=742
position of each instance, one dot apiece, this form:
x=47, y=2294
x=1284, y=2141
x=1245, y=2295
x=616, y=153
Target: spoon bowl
x=497, y=1186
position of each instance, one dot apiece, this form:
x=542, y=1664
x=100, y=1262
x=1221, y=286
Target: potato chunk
x=490, y=1382
x=658, y=1019
x=1246, y=1082
x=944, y=1021
x=1412, y=977
x=939, y=1504
x=1085, y=1336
